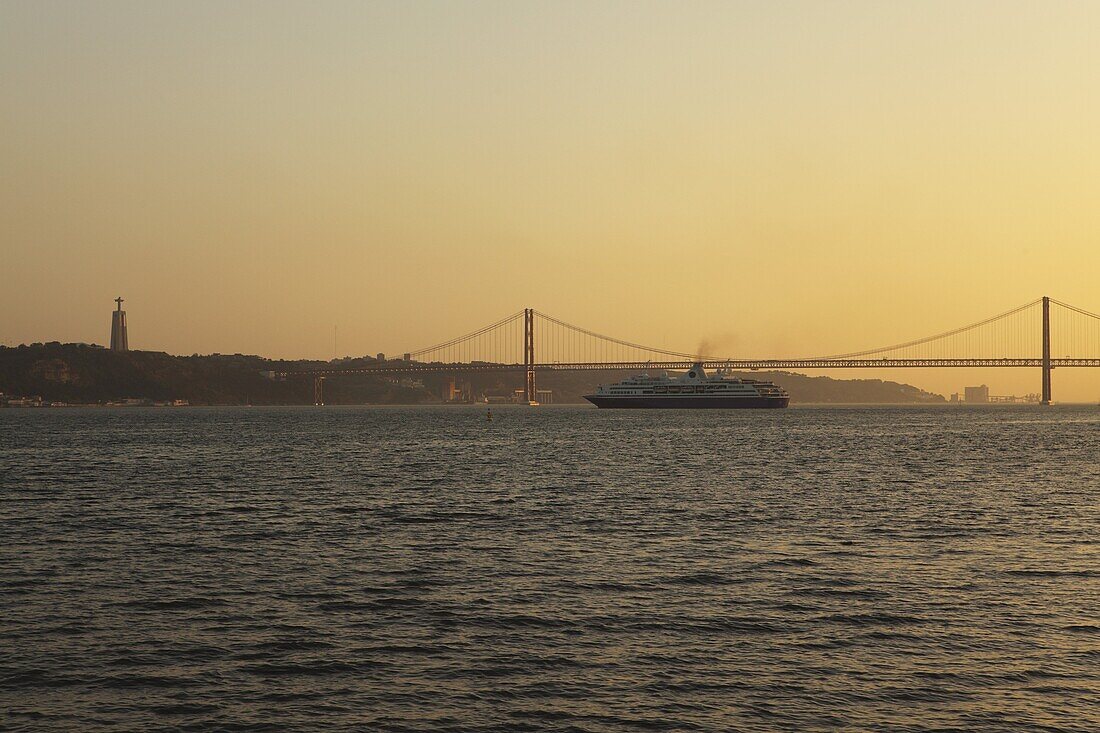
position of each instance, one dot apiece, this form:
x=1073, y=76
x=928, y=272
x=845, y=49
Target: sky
x=783, y=178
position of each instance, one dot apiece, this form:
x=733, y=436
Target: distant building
x=977, y=395
x=381, y=357
x=35, y=401
x=119, y=341
x=457, y=392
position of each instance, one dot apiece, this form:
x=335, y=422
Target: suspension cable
x=473, y=334
x=927, y=339
x=610, y=339
x=1082, y=311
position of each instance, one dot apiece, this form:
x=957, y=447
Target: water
x=559, y=569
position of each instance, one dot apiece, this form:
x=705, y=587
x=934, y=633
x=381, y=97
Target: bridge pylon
x=529, y=353
x=1046, y=351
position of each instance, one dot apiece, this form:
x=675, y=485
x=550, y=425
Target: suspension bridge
x=528, y=342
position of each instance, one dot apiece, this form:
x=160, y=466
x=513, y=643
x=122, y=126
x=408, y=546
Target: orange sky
x=795, y=177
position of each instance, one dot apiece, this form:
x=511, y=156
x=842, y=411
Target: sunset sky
x=789, y=178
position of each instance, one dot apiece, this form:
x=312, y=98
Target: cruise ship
x=689, y=390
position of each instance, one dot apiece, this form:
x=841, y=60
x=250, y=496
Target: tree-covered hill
x=82, y=373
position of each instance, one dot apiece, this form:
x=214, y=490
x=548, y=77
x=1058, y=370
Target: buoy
x=488, y=415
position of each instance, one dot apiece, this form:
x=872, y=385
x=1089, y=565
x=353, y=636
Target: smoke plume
x=718, y=346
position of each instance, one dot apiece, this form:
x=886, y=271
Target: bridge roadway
x=412, y=367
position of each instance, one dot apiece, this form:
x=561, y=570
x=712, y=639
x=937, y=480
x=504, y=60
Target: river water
x=557, y=569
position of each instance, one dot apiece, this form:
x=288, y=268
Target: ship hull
x=689, y=403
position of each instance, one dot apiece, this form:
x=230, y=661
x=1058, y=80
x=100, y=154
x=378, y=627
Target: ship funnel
x=696, y=372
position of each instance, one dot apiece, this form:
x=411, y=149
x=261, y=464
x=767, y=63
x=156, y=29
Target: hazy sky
x=790, y=177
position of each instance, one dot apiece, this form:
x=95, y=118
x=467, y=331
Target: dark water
x=894, y=569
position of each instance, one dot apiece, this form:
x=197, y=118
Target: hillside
x=81, y=373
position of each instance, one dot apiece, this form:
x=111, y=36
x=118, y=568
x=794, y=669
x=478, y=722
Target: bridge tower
x=1046, y=351
x=319, y=391
x=529, y=353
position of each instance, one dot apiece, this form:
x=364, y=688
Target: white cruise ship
x=688, y=390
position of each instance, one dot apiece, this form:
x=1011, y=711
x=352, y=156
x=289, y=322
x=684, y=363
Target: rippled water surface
x=421, y=569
